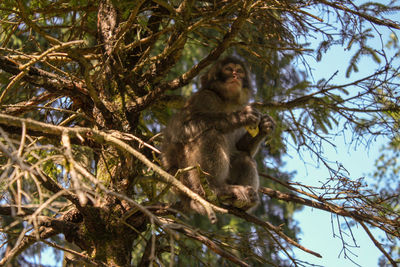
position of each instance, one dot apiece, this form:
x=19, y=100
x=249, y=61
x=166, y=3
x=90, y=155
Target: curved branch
x=51, y=227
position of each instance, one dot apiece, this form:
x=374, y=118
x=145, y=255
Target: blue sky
x=318, y=227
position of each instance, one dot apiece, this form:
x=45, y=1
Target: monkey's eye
x=229, y=69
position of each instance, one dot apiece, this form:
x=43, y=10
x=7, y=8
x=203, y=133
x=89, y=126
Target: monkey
x=209, y=132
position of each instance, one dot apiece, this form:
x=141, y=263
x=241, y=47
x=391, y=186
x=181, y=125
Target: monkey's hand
x=249, y=116
x=267, y=124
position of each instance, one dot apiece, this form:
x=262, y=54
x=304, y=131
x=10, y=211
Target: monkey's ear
x=214, y=73
x=209, y=77
x=204, y=81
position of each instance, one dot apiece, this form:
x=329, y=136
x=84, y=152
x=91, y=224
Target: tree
x=387, y=166
x=87, y=86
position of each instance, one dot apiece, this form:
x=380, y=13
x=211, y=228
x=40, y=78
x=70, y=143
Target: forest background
x=86, y=87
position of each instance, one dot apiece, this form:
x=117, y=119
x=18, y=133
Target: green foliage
x=114, y=92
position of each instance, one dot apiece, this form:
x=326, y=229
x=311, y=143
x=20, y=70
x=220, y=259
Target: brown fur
x=209, y=133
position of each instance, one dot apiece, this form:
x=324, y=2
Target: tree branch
x=51, y=82
x=377, y=244
x=372, y=19
x=196, y=235
x=28, y=105
x=368, y=218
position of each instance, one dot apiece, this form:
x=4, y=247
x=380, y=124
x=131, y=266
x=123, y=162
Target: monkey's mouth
x=235, y=80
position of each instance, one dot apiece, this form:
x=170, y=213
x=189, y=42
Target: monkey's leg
x=243, y=182
x=211, y=153
x=214, y=159
x=243, y=170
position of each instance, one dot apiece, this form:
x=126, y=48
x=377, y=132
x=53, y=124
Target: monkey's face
x=233, y=73
x=232, y=79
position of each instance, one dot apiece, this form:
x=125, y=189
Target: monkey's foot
x=239, y=196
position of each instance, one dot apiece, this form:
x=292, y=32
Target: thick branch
x=25, y=243
x=107, y=23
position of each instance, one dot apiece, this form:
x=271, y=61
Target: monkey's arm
x=206, y=110
x=225, y=122
x=252, y=144
x=188, y=125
